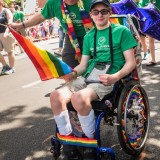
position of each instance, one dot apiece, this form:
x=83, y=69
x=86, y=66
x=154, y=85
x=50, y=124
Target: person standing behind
x=152, y=40
x=18, y=16
x=61, y=40
x=143, y=3
x=75, y=21
x=6, y=40
x=142, y=36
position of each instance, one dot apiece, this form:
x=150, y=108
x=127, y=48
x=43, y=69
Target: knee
x=78, y=102
x=55, y=99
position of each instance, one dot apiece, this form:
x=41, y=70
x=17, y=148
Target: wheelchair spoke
x=134, y=118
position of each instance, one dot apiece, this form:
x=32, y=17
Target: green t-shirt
x=52, y=9
x=18, y=15
x=143, y=3
x=157, y=4
x=122, y=40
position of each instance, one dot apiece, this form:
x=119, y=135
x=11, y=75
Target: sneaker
x=4, y=69
x=89, y=153
x=69, y=153
x=9, y=71
x=58, y=53
x=145, y=56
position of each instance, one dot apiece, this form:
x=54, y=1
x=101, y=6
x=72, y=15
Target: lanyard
x=110, y=43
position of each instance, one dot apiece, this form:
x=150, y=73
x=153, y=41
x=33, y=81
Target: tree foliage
x=113, y=1
x=8, y=2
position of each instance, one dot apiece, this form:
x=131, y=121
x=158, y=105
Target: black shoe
x=69, y=153
x=89, y=153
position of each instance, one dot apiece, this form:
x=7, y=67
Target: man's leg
x=152, y=51
x=4, y=64
x=58, y=100
x=81, y=101
x=144, y=46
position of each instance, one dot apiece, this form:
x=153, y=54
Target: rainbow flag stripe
x=72, y=140
x=119, y=20
x=47, y=65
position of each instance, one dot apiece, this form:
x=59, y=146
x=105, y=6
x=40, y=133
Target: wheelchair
x=127, y=107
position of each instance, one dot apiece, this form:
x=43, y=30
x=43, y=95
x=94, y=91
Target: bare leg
x=2, y=60
x=81, y=101
x=11, y=59
x=144, y=46
x=152, y=49
x=143, y=42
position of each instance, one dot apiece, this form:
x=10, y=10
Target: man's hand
x=108, y=79
x=70, y=76
x=16, y=26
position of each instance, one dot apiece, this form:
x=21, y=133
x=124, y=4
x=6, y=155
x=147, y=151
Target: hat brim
x=105, y=3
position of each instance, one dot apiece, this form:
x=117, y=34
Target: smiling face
x=100, y=14
x=71, y=2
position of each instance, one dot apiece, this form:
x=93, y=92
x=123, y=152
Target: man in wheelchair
x=79, y=89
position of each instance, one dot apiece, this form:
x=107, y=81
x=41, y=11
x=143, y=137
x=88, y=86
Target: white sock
x=63, y=123
x=88, y=124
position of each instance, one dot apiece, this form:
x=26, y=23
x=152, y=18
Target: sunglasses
x=103, y=12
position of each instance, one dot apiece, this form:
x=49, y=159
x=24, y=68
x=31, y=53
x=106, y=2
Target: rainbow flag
x=77, y=141
x=119, y=20
x=47, y=65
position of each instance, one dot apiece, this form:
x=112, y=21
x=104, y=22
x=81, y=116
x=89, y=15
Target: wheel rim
x=134, y=119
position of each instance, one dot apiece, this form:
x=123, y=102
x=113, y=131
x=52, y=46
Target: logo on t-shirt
x=101, y=40
x=72, y=15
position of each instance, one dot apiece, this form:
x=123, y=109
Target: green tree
x=113, y=1
x=8, y=2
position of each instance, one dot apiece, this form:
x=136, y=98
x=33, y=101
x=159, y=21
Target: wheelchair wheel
x=133, y=118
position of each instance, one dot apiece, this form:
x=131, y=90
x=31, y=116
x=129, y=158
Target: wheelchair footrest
x=77, y=141
x=110, y=151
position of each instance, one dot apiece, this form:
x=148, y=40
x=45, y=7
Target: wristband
x=74, y=74
x=23, y=25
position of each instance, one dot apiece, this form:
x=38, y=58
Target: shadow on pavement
x=26, y=141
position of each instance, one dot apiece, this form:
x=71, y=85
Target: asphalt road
x=26, y=121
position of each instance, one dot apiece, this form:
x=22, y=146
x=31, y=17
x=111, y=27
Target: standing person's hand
x=16, y=26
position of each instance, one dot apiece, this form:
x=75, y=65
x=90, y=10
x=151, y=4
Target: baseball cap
x=106, y=2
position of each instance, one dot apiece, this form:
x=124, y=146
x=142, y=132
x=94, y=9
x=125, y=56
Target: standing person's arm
x=9, y=16
x=34, y=20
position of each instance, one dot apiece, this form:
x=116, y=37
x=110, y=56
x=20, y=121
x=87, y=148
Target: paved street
x=26, y=121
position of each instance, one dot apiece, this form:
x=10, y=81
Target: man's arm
x=34, y=20
x=9, y=19
x=109, y=79
x=79, y=70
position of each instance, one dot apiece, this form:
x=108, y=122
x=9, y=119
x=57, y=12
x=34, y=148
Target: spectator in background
x=6, y=40
x=18, y=16
x=143, y=3
x=51, y=27
x=143, y=38
x=151, y=40
x=61, y=40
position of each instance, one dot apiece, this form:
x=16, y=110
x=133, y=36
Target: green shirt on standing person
x=50, y=10
x=143, y=3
